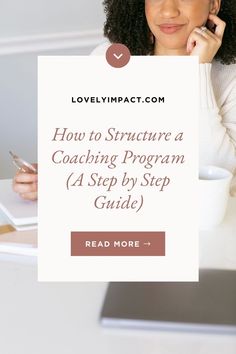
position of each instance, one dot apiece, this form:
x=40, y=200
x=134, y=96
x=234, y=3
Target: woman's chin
x=173, y=46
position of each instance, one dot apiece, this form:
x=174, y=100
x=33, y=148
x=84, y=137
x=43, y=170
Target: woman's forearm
x=217, y=124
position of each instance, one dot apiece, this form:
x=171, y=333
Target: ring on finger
x=203, y=29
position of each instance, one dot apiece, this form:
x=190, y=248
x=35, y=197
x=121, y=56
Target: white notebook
x=22, y=214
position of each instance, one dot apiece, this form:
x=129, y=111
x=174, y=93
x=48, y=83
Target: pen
x=21, y=164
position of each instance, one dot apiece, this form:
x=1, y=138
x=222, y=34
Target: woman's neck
x=159, y=50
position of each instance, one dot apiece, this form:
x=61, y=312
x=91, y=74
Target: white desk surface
x=63, y=318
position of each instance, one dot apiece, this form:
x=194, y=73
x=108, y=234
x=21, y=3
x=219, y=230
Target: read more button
x=118, y=243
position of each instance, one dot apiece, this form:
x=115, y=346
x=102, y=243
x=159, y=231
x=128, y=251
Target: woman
x=206, y=28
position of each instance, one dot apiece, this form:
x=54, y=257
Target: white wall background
x=25, y=17
x=29, y=28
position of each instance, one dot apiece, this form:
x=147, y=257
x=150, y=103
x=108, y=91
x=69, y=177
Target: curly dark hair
x=126, y=23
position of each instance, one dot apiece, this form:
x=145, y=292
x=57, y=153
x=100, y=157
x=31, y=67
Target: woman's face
x=172, y=21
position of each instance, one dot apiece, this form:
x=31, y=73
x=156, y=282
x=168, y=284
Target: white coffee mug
x=214, y=186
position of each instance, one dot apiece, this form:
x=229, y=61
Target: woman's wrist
x=207, y=96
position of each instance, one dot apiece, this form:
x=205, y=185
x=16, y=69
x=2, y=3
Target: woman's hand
x=204, y=43
x=26, y=185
